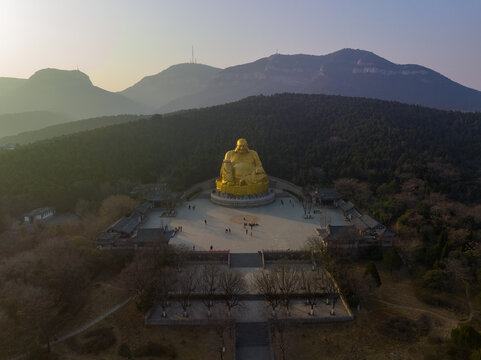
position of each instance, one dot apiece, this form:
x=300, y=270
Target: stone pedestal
x=240, y=201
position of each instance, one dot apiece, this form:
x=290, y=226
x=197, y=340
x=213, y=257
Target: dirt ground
x=368, y=336
x=187, y=342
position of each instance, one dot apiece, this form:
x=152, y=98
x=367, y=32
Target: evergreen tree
x=392, y=260
x=371, y=269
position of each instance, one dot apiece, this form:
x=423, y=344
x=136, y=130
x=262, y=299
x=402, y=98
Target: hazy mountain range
x=68, y=92
x=176, y=82
x=346, y=72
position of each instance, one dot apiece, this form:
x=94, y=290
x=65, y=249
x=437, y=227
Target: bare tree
x=209, y=285
x=164, y=287
x=116, y=206
x=140, y=277
x=34, y=310
x=267, y=285
x=458, y=268
x=232, y=286
x=287, y=277
x=186, y=287
x=311, y=285
x=353, y=189
x=332, y=294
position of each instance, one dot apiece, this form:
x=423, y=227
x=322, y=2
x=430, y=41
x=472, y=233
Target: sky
x=117, y=42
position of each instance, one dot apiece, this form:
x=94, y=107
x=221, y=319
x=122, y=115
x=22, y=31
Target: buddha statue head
x=241, y=146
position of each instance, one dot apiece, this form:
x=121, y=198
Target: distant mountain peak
x=65, y=91
x=176, y=81
x=56, y=76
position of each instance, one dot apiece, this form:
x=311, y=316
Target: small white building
x=38, y=214
x=8, y=147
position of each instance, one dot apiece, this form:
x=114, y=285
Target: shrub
x=466, y=337
x=423, y=324
x=41, y=353
x=124, y=350
x=93, y=341
x=155, y=349
x=400, y=328
x=477, y=301
x=436, y=298
x=475, y=355
x=437, y=280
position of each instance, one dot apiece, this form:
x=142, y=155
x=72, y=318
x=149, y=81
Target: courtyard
x=279, y=226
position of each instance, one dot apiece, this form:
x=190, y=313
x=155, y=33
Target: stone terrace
x=281, y=227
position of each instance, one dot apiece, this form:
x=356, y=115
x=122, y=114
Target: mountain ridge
x=66, y=91
x=175, y=81
x=346, y=72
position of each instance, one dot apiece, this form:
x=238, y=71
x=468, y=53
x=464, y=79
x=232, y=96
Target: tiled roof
x=338, y=233
x=366, y=222
x=346, y=205
x=359, y=224
x=151, y=235
x=40, y=211
x=327, y=193
x=144, y=208
x=106, y=238
x=370, y=221
x=126, y=224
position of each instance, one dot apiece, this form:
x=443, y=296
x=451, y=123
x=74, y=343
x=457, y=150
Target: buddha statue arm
x=227, y=170
x=258, y=165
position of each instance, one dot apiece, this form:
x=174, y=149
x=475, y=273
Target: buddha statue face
x=241, y=146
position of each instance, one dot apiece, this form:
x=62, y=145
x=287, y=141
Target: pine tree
x=371, y=269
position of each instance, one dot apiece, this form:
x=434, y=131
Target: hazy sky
x=117, y=42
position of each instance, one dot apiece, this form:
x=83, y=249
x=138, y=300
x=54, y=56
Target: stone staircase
x=252, y=341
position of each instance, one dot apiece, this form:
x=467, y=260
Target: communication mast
x=193, y=60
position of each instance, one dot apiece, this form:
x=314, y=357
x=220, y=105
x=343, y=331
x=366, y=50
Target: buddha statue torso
x=241, y=172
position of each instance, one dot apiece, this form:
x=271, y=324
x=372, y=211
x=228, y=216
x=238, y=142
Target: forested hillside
x=307, y=139
x=11, y=124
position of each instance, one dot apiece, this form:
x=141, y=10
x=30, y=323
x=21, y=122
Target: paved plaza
x=281, y=225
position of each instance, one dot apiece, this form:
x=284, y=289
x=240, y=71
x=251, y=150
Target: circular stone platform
x=242, y=201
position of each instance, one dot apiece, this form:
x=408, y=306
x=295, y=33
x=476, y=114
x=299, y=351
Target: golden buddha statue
x=241, y=172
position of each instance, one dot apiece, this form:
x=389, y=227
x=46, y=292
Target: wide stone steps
x=252, y=341
x=244, y=260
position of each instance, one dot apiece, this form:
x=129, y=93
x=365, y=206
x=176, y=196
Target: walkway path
x=252, y=341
